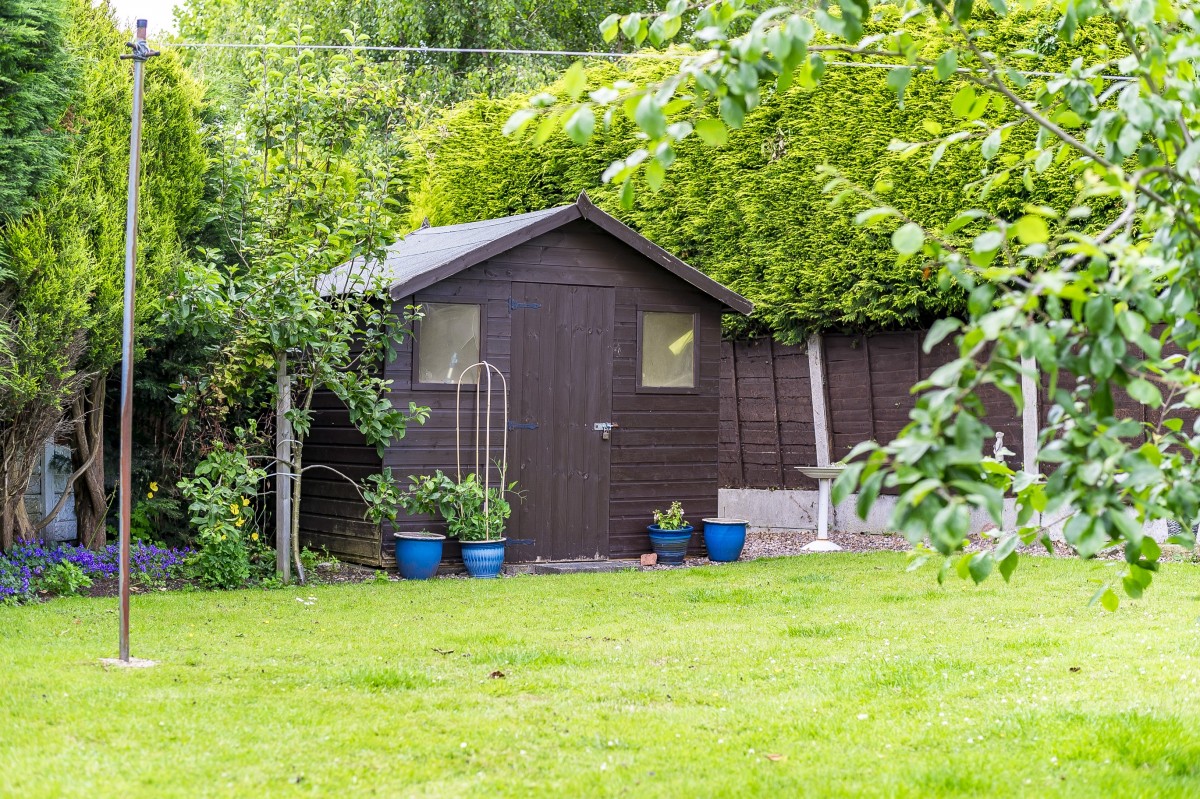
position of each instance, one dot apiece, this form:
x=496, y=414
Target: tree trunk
x=91, y=500
x=297, y=480
x=297, y=464
x=14, y=519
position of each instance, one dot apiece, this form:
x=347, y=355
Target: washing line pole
x=141, y=52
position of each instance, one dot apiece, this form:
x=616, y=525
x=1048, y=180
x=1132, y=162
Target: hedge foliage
x=752, y=213
x=65, y=259
x=36, y=75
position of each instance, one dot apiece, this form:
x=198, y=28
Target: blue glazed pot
x=418, y=555
x=724, y=538
x=483, y=559
x=670, y=545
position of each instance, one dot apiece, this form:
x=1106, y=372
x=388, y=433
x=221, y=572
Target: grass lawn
x=816, y=676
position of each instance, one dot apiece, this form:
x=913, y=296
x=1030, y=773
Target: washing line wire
x=565, y=53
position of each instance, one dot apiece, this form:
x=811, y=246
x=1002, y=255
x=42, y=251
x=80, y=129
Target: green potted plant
x=670, y=534
x=418, y=553
x=475, y=515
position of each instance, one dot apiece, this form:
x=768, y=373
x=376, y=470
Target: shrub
x=220, y=511
x=65, y=579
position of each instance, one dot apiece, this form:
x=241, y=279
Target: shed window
x=668, y=350
x=447, y=342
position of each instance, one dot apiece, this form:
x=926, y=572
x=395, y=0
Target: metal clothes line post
x=141, y=52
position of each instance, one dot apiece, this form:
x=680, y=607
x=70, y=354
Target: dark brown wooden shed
x=592, y=324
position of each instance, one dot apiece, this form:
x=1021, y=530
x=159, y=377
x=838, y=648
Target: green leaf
x=947, y=65
x=518, y=121
x=655, y=172
x=868, y=493
x=908, y=238
x=1145, y=392
x=981, y=566
x=574, y=81
x=610, y=27
x=1150, y=549
x=631, y=25
x=626, y=196
x=988, y=241
x=963, y=101
x=732, y=112
x=1188, y=158
x=1031, y=229
x=1133, y=589
x=846, y=482
x=712, y=131
x=939, y=330
x=897, y=80
x=872, y=215
x=581, y=124
x=1109, y=600
x=991, y=145
x=1009, y=565
x=650, y=118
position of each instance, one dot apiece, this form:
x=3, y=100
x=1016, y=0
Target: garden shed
x=611, y=347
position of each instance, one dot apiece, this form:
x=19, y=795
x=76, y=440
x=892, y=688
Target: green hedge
x=752, y=213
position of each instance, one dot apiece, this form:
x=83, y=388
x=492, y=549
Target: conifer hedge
x=752, y=213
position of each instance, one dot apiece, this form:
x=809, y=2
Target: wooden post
x=1030, y=417
x=283, y=472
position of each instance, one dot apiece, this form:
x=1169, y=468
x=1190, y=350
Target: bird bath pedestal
x=824, y=475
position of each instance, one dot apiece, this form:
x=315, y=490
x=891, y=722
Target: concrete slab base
x=573, y=567
x=821, y=546
x=795, y=509
x=132, y=663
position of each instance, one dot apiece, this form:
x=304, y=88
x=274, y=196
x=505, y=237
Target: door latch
x=605, y=429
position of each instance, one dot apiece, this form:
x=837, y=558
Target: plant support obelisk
x=141, y=52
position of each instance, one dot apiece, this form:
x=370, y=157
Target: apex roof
x=432, y=254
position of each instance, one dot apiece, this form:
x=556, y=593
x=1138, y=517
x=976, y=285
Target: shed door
x=562, y=355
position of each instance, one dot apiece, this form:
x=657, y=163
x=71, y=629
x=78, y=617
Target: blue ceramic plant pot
x=724, y=538
x=670, y=545
x=483, y=558
x=418, y=555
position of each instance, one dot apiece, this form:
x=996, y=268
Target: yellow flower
x=222, y=536
x=153, y=486
x=235, y=509
x=149, y=495
x=245, y=501
x=240, y=522
x=254, y=536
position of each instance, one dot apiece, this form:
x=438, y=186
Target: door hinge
x=513, y=305
x=522, y=425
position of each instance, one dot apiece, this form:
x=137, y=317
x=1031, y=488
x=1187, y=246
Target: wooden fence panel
x=766, y=403
x=766, y=415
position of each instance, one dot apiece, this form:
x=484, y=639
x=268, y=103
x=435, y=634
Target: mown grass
x=857, y=678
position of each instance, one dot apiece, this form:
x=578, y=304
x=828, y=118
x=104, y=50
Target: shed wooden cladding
x=561, y=292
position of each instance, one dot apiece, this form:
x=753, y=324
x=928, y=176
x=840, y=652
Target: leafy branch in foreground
x=1104, y=308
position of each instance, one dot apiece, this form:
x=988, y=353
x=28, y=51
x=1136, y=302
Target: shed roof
x=432, y=254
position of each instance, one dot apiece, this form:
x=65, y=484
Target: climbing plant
x=306, y=181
